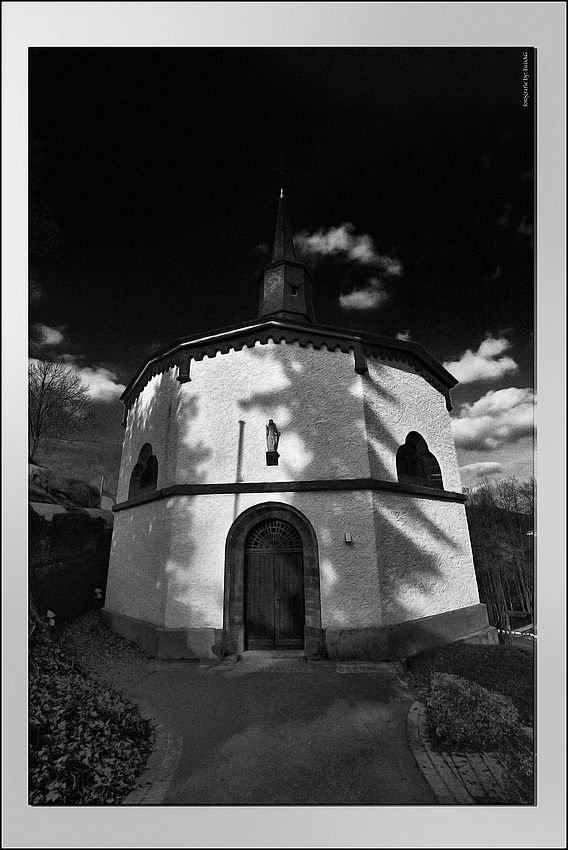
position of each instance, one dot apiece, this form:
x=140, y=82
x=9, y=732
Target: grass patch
x=479, y=698
x=88, y=744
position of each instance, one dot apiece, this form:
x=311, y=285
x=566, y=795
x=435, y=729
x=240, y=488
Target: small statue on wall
x=272, y=438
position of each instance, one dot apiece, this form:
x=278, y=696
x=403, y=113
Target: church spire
x=285, y=284
x=283, y=242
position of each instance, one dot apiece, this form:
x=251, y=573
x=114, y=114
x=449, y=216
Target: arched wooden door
x=274, y=587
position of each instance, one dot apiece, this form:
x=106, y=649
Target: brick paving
x=462, y=778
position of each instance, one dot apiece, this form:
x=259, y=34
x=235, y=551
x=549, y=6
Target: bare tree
x=501, y=518
x=59, y=404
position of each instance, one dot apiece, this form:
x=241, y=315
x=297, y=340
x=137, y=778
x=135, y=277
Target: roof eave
x=361, y=337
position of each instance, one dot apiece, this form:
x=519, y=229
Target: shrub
x=466, y=716
x=508, y=670
x=87, y=743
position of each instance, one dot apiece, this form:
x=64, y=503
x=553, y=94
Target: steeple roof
x=285, y=283
x=283, y=242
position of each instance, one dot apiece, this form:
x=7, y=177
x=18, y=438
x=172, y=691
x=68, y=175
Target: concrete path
x=281, y=731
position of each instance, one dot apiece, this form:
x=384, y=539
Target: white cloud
x=473, y=472
x=498, y=418
x=516, y=459
x=50, y=336
x=101, y=383
x=343, y=242
x=485, y=364
x=355, y=251
x=403, y=335
x=368, y=298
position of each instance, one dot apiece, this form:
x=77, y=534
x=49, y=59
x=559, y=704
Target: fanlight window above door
x=273, y=535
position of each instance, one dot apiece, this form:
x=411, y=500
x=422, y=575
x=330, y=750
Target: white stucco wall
x=313, y=396
x=136, y=585
x=397, y=402
x=150, y=420
x=424, y=558
x=213, y=429
x=409, y=557
x=178, y=582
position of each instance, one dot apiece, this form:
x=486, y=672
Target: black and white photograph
x=281, y=357
x=282, y=317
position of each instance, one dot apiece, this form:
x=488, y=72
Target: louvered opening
x=273, y=535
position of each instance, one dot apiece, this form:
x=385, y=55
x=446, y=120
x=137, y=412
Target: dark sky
x=157, y=166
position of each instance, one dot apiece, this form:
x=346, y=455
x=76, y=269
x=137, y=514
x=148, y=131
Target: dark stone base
x=365, y=644
x=192, y=644
x=486, y=637
x=405, y=639
x=232, y=641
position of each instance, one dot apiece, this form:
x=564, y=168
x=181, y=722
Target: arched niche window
x=415, y=464
x=145, y=474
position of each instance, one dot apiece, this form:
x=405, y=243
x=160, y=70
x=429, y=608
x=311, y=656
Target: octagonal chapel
x=290, y=486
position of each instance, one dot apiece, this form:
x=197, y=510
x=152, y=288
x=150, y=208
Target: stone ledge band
x=291, y=487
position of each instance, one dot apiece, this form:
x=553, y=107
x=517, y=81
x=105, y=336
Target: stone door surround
x=234, y=592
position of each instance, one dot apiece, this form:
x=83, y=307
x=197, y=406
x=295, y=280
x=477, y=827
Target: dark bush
x=463, y=715
x=87, y=743
x=477, y=697
x=507, y=670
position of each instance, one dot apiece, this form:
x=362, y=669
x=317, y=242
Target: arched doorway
x=268, y=534
x=274, y=587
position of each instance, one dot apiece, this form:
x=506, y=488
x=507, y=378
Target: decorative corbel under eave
x=183, y=376
x=360, y=359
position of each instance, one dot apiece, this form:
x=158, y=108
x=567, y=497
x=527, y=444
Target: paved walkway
x=283, y=731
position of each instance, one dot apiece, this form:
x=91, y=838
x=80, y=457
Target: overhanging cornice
x=363, y=345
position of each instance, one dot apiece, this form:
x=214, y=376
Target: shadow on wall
x=418, y=535
x=165, y=407
x=422, y=565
